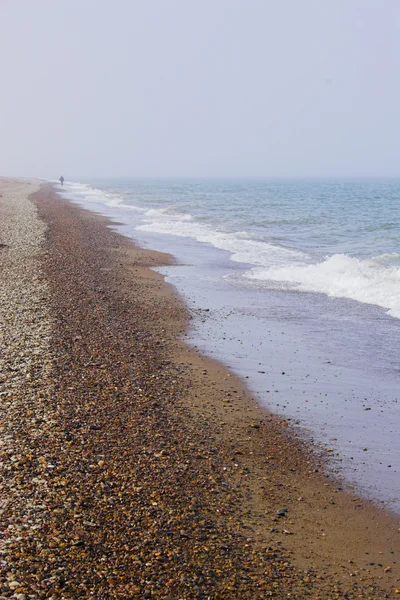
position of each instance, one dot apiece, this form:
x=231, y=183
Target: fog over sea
x=294, y=284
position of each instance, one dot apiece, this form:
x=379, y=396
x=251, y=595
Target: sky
x=200, y=88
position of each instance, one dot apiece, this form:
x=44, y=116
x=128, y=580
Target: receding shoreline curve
x=133, y=467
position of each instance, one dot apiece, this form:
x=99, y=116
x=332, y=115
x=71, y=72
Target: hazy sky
x=199, y=87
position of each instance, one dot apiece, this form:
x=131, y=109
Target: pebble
x=110, y=489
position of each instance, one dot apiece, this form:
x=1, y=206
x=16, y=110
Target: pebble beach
x=133, y=466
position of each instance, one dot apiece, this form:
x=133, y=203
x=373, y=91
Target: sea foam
x=372, y=281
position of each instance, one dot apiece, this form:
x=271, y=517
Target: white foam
x=242, y=248
x=168, y=220
x=87, y=195
x=372, y=281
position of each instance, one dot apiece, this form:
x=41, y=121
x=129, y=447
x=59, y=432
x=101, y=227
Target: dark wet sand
x=166, y=478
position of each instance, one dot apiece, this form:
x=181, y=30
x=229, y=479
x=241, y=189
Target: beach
x=132, y=465
x=293, y=287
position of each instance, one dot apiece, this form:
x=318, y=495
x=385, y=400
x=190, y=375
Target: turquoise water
x=297, y=276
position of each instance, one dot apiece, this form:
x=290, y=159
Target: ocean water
x=295, y=285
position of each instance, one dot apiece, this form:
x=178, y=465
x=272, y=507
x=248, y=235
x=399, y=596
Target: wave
x=166, y=211
x=372, y=281
x=84, y=193
x=243, y=249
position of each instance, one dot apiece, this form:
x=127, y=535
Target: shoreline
x=225, y=462
x=338, y=356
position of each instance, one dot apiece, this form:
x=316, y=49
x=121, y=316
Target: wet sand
x=146, y=470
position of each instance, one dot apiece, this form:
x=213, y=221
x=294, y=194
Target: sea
x=294, y=284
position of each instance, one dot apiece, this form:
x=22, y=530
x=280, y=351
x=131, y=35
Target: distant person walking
x=62, y=180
